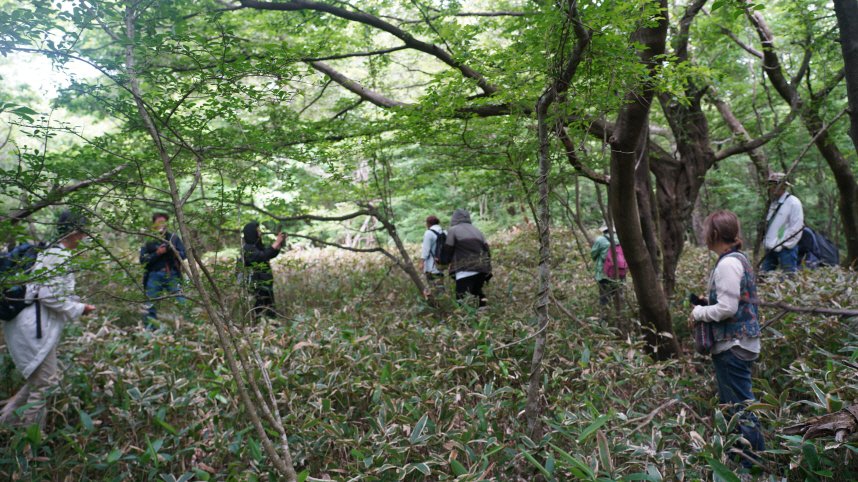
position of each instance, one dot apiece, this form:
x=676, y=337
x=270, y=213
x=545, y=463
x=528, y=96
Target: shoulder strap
x=781, y=203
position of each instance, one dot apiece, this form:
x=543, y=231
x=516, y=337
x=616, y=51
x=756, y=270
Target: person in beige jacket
x=33, y=337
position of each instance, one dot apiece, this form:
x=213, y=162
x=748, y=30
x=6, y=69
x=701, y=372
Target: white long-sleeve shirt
x=788, y=221
x=430, y=237
x=55, y=292
x=727, y=281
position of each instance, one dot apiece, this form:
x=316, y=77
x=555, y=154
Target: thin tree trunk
x=282, y=461
x=533, y=407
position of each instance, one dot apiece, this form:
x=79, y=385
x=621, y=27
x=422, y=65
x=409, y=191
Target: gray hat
x=778, y=178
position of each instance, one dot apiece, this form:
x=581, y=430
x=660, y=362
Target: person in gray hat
x=784, y=224
x=471, y=261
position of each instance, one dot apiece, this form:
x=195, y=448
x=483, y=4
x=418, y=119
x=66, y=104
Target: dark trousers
x=158, y=284
x=734, y=387
x=607, y=288
x=472, y=285
x=264, y=303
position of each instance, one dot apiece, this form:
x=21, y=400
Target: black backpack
x=821, y=248
x=440, y=241
x=13, y=264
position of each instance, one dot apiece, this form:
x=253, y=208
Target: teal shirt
x=599, y=252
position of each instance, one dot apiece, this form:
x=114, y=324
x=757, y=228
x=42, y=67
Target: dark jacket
x=466, y=246
x=166, y=261
x=257, y=256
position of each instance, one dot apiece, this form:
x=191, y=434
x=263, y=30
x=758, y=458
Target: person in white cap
x=784, y=224
x=34, y=335
x=599, y=253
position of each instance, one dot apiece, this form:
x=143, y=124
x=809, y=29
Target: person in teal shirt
x=599, y=253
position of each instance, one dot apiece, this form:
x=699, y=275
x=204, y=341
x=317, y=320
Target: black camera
x=697, y=301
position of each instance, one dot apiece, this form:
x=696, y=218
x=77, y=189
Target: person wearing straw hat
x=784, y=224
x=34, y=335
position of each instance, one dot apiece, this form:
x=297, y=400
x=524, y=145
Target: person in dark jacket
x=257, y=258
x=162, y=258
x=469, y=255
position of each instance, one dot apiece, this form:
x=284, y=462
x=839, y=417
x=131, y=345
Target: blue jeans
x=161, y=283
x=787, y=259
x=734, y=387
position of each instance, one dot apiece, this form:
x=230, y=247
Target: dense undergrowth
x=374, y=385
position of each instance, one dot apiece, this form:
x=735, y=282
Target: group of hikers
x=789, y=244
x=725, y=321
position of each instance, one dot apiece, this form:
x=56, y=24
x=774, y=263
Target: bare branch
x=809, y=309
x=378, y=23
x=468, y=14
x=574, y=161
x=751, y=50
x=355, y=54
x=380, y=100
x=308, y=217
x=752, y=144
x=355, y=87
x=56, y=194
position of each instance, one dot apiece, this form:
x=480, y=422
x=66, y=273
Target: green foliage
x=376, y=386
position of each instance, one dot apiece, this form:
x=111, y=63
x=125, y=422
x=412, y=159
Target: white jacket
x=430, y=238
x=788, y=221
x=54, y=289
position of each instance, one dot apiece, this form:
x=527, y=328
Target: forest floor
x=376, y=385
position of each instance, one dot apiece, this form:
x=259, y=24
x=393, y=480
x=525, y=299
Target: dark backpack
x=818, y=249
x=440, y=241
x=615, y=269
x=13, y=264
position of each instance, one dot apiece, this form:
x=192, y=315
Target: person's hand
x=278, y=242
x=161, y=250
x=88, y=309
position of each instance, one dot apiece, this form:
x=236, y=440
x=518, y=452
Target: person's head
x=252, y=233
x=432, y=221
x=71, y=229
x=159, y=221
x=604, y=229
x=460, y=216
x=722, y=230
x=777, y=184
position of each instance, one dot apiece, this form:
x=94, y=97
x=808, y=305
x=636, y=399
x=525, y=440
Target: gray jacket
x=467, y=245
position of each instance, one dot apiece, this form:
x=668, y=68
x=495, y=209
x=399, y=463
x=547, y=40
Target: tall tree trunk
x=847, y=20
x=839, y=165
x=679, y=182
x=646, y=208
x=631, y=125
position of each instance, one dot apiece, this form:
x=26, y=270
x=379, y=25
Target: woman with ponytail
x=730, y=312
